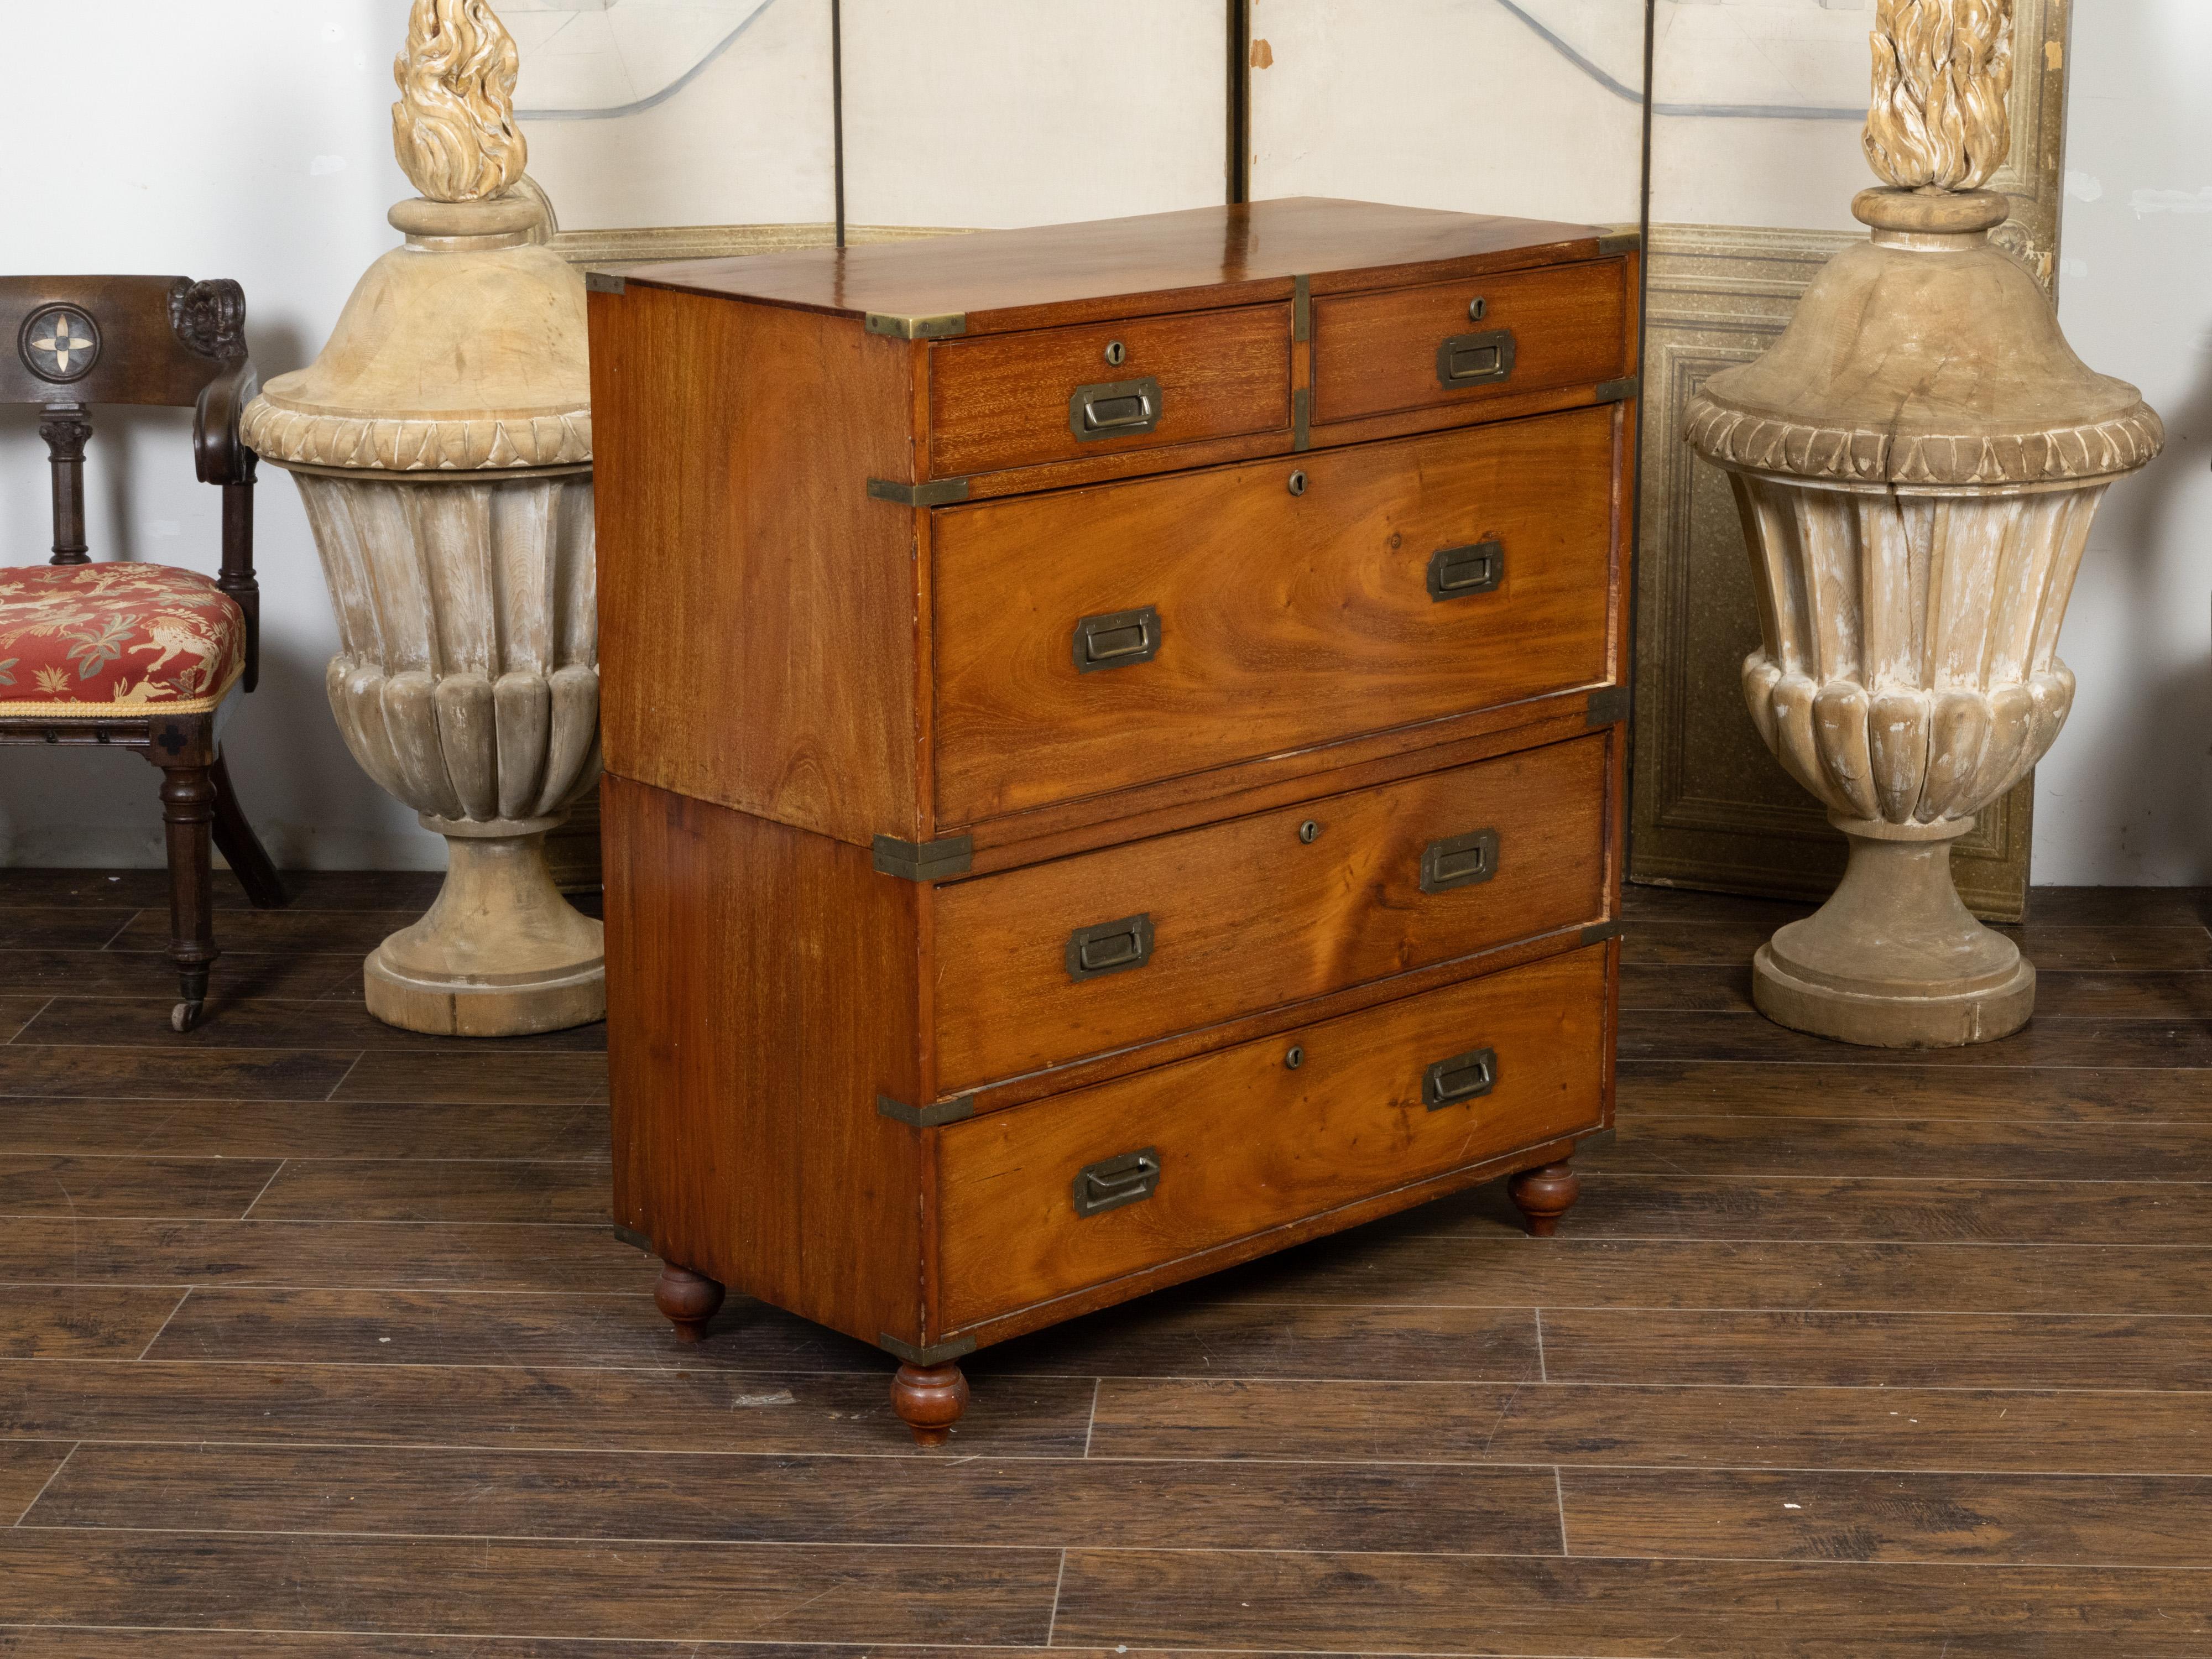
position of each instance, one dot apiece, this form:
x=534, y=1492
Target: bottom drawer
x=1041, y=1201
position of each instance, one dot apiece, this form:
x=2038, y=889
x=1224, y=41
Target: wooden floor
x=313, y=1343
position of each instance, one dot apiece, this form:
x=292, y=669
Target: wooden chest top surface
x=1006, y=279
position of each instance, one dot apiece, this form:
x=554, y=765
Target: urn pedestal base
x=1894, y=960
x=500, y=953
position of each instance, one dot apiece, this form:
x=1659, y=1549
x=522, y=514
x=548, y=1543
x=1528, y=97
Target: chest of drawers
x=1113, y=739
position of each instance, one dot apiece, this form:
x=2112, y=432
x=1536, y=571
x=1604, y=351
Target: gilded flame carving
x=453, y=127
x=1943, y=73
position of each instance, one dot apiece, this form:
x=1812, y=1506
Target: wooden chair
x=142, y=657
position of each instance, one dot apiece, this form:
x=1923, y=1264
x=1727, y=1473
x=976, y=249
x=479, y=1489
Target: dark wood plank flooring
x=313, y=1345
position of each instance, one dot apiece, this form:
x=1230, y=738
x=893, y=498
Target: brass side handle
x=1114, y=409
x=1117, y=639
x=1110, y=947
x=1475, y=359
x=1459, y=861
x=1113, y=1181
x=1459, y=573
x=1463, y=1077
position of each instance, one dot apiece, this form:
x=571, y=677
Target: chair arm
x=220, y=456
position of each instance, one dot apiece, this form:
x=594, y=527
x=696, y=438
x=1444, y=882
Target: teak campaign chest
x=1114, y=743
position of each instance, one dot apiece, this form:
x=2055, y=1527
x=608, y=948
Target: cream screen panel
x=1532, y=108
x=990, y=114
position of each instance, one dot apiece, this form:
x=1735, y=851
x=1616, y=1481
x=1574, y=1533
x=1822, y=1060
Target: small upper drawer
x=1078, y=955
x=1022, y=399
x=1041, y=1201
x=1461, y=341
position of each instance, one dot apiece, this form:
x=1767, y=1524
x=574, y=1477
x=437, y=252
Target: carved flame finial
x=453, y=127
x=1942, y=72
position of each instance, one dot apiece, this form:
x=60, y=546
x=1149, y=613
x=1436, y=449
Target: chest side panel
x=757, y=608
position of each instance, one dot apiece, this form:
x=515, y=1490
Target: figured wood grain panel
x=757, y=608
x=1286, y=620
x=1161, y=262
x=1004, y=401
x=763, y=990
x=1246, y=1141
x=1376, y=354
x=1249, y=915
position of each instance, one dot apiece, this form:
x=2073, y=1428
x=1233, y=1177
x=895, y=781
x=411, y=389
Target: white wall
x=251, y=140
x=2126, y=795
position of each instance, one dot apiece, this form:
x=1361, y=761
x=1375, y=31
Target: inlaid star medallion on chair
x=140, y=656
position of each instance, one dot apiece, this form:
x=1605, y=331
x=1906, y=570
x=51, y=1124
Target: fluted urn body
x=1917, y=463
x=441, y=444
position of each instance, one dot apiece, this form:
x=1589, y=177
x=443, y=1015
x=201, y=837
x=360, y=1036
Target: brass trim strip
x=1620, y=391
x=918, y=328
x=925, y=860
x=1301, y=309
x=1598, y=932
x=1302, y=418
x=931, y=1356
x=1619, y=241
x=1607, y=706
x=605, y=282
x=631, y=1236
x=927, y=1117
x=942, y=493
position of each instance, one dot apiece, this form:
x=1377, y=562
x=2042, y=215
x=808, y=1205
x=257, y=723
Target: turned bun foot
x=929, y=1400
x=689, y=1299
x=1544, y=1196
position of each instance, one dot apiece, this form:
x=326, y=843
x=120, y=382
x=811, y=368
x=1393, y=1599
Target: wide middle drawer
x=1079, y=955
x=1089, y=640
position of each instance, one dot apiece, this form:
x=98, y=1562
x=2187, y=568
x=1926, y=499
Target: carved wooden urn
x=1917, y=461
x=442, y=444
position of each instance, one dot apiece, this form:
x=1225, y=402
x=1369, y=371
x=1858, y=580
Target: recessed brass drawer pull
x=1111, y=947
x=1475, y=359
x=1117, y=639
x=1463, y=1077
x=1459, y=861
x=1455, y=573
x=1114, y=409
x=1111, y=1183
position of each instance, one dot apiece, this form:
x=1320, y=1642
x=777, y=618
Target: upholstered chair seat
x=107, y=639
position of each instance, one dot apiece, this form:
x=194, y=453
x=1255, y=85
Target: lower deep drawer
x=1042, y=1200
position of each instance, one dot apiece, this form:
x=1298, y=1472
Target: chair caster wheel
x=184, y=1015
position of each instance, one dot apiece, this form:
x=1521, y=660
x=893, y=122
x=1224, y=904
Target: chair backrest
x=66, y=342
x=117, y=339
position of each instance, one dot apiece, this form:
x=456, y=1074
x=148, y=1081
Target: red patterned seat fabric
x=115, y=639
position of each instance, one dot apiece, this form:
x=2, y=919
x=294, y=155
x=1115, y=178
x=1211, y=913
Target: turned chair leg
x=929, y=1400
x=1545, y=1194
x=188, y=795
x=688, y=1299
x=249, y=861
